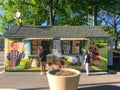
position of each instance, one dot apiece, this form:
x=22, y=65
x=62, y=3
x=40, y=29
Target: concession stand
x=70, y=42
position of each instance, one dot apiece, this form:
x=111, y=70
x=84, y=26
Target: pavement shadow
x=41, y=88
x=100, y=84
x=97, y=74
x=102, y=87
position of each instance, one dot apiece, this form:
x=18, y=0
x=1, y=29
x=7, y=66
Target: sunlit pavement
x=2, y=71
x=34, y=81
x=23, y=81
x=99, y=81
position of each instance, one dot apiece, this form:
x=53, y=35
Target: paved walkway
x=34, y=81
x=1, y=58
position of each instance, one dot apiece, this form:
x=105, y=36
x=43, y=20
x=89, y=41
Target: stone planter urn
x=63, y=79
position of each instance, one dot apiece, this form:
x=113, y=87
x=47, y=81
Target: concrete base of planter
x=63, y=82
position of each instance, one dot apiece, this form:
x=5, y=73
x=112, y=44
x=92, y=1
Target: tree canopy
x=61, y=12
x=57, y=12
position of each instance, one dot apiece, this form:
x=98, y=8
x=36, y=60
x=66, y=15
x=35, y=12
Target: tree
x=61, y=12
x=111, y=17
x=107, y=12
x=36, y=12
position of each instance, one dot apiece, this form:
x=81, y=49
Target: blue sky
x=1, y=12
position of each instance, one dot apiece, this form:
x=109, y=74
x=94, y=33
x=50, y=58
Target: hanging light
x=17, y=16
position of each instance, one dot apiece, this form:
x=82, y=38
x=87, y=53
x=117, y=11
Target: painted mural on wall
x=14, y=56
x=14, y=53
x=99, y=54
x=19, y=55
x=98, y=59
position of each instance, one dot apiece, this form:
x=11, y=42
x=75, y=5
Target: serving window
x=76, y=46
x=66, y=47
x=46, y=44
x=71, y=47
x=34, y=46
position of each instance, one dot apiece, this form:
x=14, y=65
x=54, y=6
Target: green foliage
x=58, y=12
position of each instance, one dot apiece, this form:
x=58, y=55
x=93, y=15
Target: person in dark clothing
x=42, y=58
x=87, y=62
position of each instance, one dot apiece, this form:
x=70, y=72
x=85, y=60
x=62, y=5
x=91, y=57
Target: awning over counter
x=52, y=39
x=73, y=39
x=38, y=38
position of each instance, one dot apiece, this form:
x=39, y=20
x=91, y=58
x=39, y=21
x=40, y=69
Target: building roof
x=56, y=31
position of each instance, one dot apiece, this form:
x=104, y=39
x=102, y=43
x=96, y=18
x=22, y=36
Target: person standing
x=87, y=62
x=42, y=58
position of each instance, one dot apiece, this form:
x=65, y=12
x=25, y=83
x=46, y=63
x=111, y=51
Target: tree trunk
x=51, y=14
x=95, y=16
x=116, y=40
x=116, y=44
